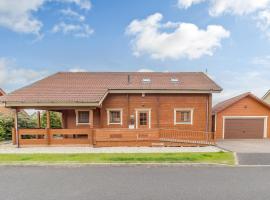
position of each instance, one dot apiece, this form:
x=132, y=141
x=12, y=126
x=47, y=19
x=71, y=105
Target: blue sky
x=231, y=40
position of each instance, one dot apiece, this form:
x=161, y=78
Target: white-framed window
x=114, y=116
x=83, y=117
x=183, y=116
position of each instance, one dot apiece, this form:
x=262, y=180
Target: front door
x=143, y=119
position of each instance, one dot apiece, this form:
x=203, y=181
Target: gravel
x=13, y=149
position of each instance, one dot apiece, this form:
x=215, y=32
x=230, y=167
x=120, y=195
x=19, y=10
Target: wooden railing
x=55, y=136
x=103, y=135
x=88, y=137
x=186, y=136
x=70, y=136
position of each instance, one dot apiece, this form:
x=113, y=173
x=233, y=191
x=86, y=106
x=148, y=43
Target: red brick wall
x=162, y=110
x=245, y=107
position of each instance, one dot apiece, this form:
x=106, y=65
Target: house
x=266, y=97
x=119, y=108
x=241, y=117
x=5, y=111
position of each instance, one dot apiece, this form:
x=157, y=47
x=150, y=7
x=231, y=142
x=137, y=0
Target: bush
x=26, y=121
x=7, y=123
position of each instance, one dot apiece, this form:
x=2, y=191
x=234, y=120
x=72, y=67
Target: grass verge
x=215, y=158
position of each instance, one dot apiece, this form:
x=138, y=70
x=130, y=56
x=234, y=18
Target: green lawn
x=220, y=157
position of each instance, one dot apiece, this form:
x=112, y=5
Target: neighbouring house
x=242, y=117
x=266, y=97
x=5, y=111
x=119, y=108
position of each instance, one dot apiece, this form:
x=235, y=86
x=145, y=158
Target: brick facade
x=162, y=110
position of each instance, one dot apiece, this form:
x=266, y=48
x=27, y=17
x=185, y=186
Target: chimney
x=128, y=79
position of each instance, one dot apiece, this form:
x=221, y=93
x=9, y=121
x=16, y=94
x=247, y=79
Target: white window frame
x=77, y=117
x=265, y=118
x=108, y=116
x=183, y=109
x=149, y=116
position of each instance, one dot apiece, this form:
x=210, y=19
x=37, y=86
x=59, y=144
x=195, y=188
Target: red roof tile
x=92, y=86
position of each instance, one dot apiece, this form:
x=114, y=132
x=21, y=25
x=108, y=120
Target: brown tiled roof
x=2, y=92
x=92, y=86
x=5, y=111
x=225, y=104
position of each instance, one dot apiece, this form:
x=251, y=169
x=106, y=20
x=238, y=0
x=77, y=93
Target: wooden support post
x=16, y=128
x=63, y=121
x=91, y=119
x=48, y=126
x=38, y=120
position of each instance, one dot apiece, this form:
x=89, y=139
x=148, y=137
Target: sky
x=227, y=39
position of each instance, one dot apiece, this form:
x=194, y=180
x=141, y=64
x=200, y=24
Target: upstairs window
x=183, y=116
x=83, y=117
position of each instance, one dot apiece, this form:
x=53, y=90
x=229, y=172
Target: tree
x=7, y=123
x=55, y=119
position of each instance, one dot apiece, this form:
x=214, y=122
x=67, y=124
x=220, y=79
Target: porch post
x=48, y=126
x=16, y=128
x=38, y=119
x=91, y=119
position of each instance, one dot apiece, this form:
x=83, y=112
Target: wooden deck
x=113, y=137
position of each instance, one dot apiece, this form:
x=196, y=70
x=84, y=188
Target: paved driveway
x=134, y=183
x=249, y=152
x=246, y=146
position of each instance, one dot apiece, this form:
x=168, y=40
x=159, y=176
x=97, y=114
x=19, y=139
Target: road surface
x=134, y=182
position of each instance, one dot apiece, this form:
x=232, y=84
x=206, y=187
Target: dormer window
x=146, y=80
x=174, y=80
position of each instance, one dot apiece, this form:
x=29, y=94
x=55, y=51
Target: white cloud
x=145, y=70
x=235, y=83
x=12, y=76
x=18, y=16
x=236, y=7
x=77, y=30
x=72, y=14
x=261, y=61
x=77, y=69
x=173, y=40
x=187, y=3
x=84, y=4
x=258, y=9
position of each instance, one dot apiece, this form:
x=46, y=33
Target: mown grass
x=219, y=158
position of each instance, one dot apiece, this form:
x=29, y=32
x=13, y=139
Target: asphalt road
x=134, y=182
x=253, y=158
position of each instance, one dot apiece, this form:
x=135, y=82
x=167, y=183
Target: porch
x=102, y=137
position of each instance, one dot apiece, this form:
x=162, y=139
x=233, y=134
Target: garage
x=241, y=117
x=242, y=128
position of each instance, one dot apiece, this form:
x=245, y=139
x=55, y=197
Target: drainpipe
x=207, y=114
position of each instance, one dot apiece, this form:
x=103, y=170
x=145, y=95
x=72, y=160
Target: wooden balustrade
x=122, y=137
x=55, y=136
x=186, y=136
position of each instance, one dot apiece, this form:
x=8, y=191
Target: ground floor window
x=114, y=116
x=183, y=116
x=143, y=118
x=83, y=117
